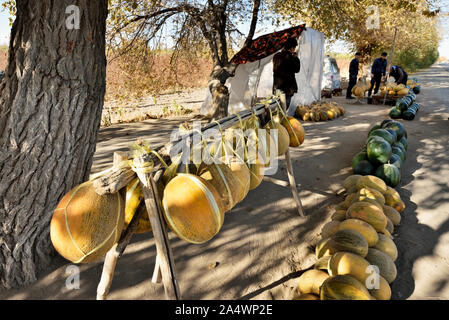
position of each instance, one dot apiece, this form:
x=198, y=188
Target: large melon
x=349, y=200
x=221, y=177
x=343, y=288
x=193, y=208
x=85, y=225
x=311, y=281
x=295, y=131
x=350, y=182
x=363, y=167
x=394, y=202
x=386, y=245
x=323, y=248
x=256, y=170
x=386, y=265
x=390, y=226
x=380, y=290
x=242, y=177
x=392, y=214
x=283, y=136
x=134, y=196
x=389, y=173
x=372, y=182
x=344, y=240
x=330, y=228
x=339, y=215
x=368, y=212
x=307, y=296
x=362, y=227
x=368, y=193
x=346, y=263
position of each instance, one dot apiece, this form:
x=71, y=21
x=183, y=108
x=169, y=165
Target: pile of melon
x=320, y=111
x=395, y=90
x=195, y=197
x=356, y=254
x=384, y=152
x=359, y=90
x=414, y=85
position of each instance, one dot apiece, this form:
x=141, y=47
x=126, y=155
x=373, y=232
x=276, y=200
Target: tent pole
x=291, y=176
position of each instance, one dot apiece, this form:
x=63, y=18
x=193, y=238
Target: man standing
x=378, y=71
x=353, y=73
x=285, y=65
x=399, y=74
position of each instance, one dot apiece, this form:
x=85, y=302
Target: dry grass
x=3, y=57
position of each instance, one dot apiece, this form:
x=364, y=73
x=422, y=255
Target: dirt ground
x=264, y=245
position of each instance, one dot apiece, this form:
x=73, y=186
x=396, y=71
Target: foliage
x=347, y=20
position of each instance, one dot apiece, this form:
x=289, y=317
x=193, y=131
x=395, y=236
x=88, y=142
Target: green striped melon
x=330, y=228
x=383, y=261
x=392, y=214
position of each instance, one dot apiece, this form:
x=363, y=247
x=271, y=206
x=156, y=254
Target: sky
x=339, y=47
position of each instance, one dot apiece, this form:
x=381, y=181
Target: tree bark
x=50, y=112
x=219, y=91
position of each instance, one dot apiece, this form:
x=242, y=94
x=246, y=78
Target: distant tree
x=186, y=24
x=51, y=99
x=356, y=21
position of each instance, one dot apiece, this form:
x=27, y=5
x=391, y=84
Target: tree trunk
x=50, y=111
x=219, y=91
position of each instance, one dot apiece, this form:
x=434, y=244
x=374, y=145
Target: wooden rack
x=120, y=175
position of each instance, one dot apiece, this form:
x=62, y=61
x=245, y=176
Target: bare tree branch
x=252, y=29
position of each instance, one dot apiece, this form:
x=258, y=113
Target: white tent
x=255, y=79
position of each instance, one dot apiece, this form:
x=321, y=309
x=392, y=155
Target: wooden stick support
x=164, y=251
x=157, y=276
x=291, y=176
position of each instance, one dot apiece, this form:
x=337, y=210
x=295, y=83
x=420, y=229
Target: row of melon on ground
x=85, y=225
x=356, y=255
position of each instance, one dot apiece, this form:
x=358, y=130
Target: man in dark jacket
x=399, y=74
x=378, y=71
x=353, y=73
x=285, y=65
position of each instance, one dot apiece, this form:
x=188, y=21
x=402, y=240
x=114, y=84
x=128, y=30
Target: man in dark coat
x=378, y=71
x=285, y=65
x=353, y=73
x=399, y=74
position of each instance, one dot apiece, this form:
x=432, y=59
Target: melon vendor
x=399, y=75
x=285, y=65
x=378, y=71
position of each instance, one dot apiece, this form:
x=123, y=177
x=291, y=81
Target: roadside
x=264, y=245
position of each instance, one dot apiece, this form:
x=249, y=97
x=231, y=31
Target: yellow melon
x=362, y=227
x=322, y=263
x=346, y=263
x=242, y=176
x=339, y=215
x=307, y=296
x=330, y=228
x=221, y=177
x=295, y=131
x=394, y=202
x=403, y=92
x=372, y=182
x=392, y=214
x=256, y=169
x=380, y=290
x=343, y=288
x=311, y=281
x=323, y=248
x=85, y=225
x=351, y=181
x=134, y=197
x=386, y=245
x=369, y=213
x=193, y=208
x=283, y=137
x=349, y=200
x=387, y=233
x=373, y=194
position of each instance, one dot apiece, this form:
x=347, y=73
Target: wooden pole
x=164, y=251
x=390, y=63
x=291, y=176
